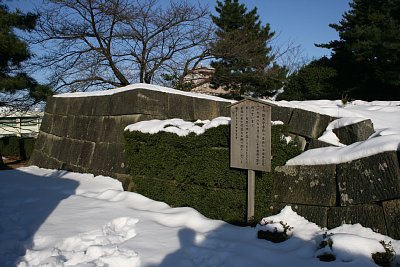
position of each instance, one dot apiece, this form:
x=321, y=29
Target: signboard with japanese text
x=251, y=135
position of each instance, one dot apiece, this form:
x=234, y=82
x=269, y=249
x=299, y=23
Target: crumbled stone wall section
x=355, y=132
x=370, y=179
x=85, y=134
x=391, y=209
x=305, y=185
x=365, y=191
x=369, y=215
x=308, y=124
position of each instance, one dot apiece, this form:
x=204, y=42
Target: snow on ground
x=147, y=86
x=59, y=218
x=385, y=116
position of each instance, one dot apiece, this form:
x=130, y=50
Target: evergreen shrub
x=13, y=146
x=194, y=171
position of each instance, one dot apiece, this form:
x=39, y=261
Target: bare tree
x=110, y=43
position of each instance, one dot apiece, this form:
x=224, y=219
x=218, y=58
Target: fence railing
x=22, y=126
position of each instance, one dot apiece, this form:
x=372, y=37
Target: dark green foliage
x=244, y=63
x=327, y=256
x=194, y=171
x=17, y=147
x=176, y=81
x=13, y=53
x=275, y=236
x=384, y=259
x=313, y=81
x=367, y=55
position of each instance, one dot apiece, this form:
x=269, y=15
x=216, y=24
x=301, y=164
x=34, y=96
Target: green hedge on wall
x=194, y=171
x=13, y=146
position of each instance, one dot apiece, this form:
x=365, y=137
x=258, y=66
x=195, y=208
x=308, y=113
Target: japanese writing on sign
x=251, y=135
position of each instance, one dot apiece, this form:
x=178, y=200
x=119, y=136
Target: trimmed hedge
x=13, y=146
x=194, y=171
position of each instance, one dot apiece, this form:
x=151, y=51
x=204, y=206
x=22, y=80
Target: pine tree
x=17, y=89
x=313, y=81
x=244, y=63
x=13, y=53
x=367, y=56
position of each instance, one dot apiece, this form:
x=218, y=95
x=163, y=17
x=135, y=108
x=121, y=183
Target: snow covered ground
x=59, y=218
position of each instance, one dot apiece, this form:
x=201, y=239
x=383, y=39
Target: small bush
x=276, y=236
x=384, y=258
x=195, y=171
x=13, y=146
x=327, y=255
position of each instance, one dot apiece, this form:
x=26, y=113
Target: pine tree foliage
x=367, y=55
x=244, y=62
x=17, y=89
x=313, y=81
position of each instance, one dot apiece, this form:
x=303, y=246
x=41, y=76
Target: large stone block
x=205, y=109
x=94, y=128
x=47, y=122
x=69, y=155
x=50, y=105
x=49, y=145
x=307, y=185
x=78, y=154
x=356, y=132
x=109, y=129
x=60, y=125
x=139, y=101
x=368, y=215
x=81, y=106
x=282, y=114
x=56, y=146
x=224, y=109
x=40, y=141
x=180, y=106
x=392, y=216
x=78, y=127
x=101, y=105
x=109, y=158
x=86, y=151
x=124, y=120
x=308, y=123
x=315, y=214
x=61, y=105
x=315, y=143
x=370, y=179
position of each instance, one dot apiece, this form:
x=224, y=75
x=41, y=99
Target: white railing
x=22, y=126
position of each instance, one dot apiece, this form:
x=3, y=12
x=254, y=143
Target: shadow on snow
x=23, y=209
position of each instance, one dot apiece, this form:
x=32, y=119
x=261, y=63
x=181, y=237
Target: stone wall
x=85, y=134
x=365, y=191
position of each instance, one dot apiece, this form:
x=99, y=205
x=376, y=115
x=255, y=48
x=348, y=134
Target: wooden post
x=251, y=185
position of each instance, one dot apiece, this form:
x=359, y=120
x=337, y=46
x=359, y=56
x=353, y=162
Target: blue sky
x=304, y=22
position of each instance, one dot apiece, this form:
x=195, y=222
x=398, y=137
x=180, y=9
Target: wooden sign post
x=251, y=142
